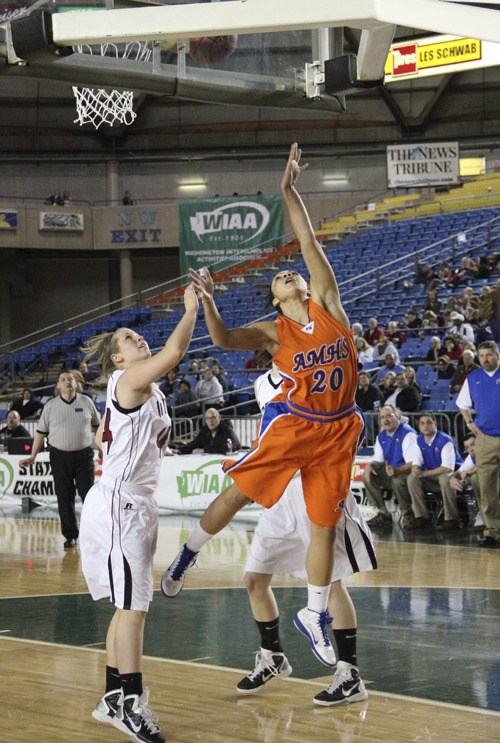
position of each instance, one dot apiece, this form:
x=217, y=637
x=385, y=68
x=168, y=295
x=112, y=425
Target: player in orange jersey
x=313, y=425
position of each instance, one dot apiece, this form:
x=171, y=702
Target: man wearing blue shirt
x=434, y=458
x=481, y=393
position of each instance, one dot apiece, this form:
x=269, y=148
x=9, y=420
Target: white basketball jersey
x=133, y=441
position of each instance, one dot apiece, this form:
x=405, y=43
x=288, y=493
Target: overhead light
x=335, y=180
x=192, y=185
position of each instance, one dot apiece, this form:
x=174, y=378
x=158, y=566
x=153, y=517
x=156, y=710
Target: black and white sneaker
x=108, y=706
x=172, y=580
x=137, y=720
x=268, y=665
x=346, y=687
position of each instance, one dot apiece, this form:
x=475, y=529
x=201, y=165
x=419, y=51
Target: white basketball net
x=99, y=106
x=104, y=107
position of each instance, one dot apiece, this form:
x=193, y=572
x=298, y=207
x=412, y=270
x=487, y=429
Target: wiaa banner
x=221, y=231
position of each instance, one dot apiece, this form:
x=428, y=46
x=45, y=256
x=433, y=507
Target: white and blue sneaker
x=346, y=687
x=313, y=625
x=172, y=580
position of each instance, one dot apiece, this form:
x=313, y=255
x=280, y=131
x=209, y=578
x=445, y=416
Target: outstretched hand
x=191, y=298
x=203, y=284
x=293, y=167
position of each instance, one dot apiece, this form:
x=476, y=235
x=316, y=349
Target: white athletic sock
x=198, y=538
x=317, y=597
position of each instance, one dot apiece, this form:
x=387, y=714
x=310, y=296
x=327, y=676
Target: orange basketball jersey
x=319, y=366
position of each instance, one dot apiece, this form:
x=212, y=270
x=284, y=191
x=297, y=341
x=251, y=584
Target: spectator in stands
x=469, y=267
x=219, y=375
x=434, y=457
x=364, y=351
x=495, y=313
x=405, y=396
x=185, y=403
x=127, y=199
x=89, y=375
x=412, y=320
x=368, y=395
x=81, y=387
x=481, y=392
x=468, y=346
x=453, y=278
x=425, y=274
x=464, y=368
x=445, y=368
x=431, y=320
x=394, y=334
x=14, y=428
x=390, y=467
x=435, y=350
x=373, y=333
x=469, y=298
x=388, y=385
x=383, y=348
x=27, y=406
x=433, y=303
x=50, y=200
x=194, y=369
x=66, y=201
x=442, y=272
x=389, y=366
x=170, y=386
x=213, y=436
x=261, y=359
x=471, y=315
x=453, y=348
x=357, y=330
x=208, y=391
x=466, y=475
x=459, y=328
x=411, y=376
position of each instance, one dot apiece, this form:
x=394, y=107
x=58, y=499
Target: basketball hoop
x=99, y=106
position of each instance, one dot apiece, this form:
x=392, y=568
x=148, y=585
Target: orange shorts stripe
x=324, y=453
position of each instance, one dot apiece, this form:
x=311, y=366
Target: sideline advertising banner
x=214, y=231
x=429, y=164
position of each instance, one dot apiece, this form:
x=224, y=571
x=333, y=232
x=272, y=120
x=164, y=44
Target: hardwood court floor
x=428, y=646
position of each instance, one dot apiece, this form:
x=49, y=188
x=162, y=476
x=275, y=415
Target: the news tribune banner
x=428, y=164
x=213, y=232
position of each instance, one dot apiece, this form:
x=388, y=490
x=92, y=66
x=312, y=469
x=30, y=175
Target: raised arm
x=323, y=285
x=257, y=335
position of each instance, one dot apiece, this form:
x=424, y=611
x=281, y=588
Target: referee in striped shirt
x=69, y=420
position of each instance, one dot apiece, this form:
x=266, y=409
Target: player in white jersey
x=119, y=522
x=280, y=545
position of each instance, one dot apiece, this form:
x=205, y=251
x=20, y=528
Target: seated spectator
x=459, y=328
x=435, y=350
x=424, y=274
x=89, y=375
x=468, y=346
x=442, y=272
x=388, y=385
x=27, y=406
x=373, y=333
x=390, y=365
x=394, y=334
x=170, y=386
x=219, y=375
x=412, y=320
x=208, y=391
x=445, y=368
x=390, y=467
x=452, y=348
x=411, y=376
x=432, y=320
x=127, y=199
x=368, y=395
x=405, y=397
x=13, y=429
x=453, y=278
x=469, y=298
x=433, y=303
x=66, y=201
x=434, y=457
x=464, y=368
x=213, y=436
x=357, y=330
x=194, y=369
x=469, y=267
x=261, y=359
x=364, y=351
x=185, y=403
x=382, y=348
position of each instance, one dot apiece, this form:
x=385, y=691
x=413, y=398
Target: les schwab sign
x=436, y=55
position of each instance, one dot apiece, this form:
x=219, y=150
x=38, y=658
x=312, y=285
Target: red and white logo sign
x=404, y=59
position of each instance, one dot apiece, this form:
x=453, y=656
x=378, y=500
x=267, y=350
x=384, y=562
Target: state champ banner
x=218, y=232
